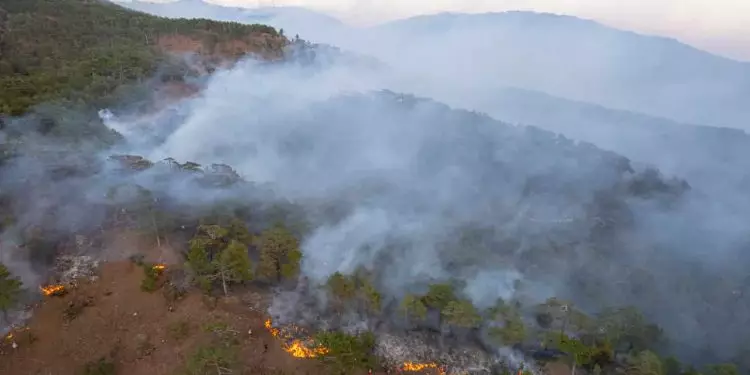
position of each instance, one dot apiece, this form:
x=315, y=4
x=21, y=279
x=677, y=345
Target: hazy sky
x=721, y=26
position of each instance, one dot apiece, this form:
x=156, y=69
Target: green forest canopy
x=85, y=49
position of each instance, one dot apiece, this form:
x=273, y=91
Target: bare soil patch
x=141, y=332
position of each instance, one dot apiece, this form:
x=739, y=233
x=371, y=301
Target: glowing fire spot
x=274, y=331
x=300, y=350
x=159, y=267
x=297, y=348
x=415, y=366
x=52, y=290
x=12, y=335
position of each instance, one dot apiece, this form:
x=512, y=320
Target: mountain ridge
x=561, y=55
x=579, y=21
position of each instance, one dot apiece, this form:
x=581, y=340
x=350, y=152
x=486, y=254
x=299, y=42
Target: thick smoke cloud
x=421, y=193
x=547, y=71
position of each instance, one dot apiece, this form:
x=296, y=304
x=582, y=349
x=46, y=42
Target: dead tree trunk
x=224, y=283
x=156, y=229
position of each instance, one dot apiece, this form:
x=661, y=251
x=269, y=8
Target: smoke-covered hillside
x=424, y=56
x=315, y=179
x=559, y=55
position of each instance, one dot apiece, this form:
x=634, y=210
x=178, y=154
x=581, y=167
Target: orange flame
x=300, y=350
x=415, y=366
x=296, y=347
x=11, y=336
x=274, y=331
x=159, y=267
x=52, y=290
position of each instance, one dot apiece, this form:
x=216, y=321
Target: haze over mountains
x=559, y=55
x=629, y=93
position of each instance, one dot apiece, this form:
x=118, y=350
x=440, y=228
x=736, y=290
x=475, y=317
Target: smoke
x=419, y=192
x=634, y=94
x=427, y=193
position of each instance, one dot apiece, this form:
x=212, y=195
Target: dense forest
x=84, y=50
x=56, y=187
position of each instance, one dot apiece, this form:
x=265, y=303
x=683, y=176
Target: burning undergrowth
x=399, y=344
x=419, y=351
x=413, y=191
x=69, y=271
x=296, y=340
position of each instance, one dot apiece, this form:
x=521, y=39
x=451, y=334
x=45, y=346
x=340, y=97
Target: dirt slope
x=139, y=331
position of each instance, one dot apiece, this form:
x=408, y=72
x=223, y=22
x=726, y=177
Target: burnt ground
x=139, y=332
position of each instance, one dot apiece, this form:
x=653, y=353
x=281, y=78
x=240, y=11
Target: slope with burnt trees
x=60, y=197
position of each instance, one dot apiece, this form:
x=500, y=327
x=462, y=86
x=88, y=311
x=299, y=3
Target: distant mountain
x=702, y=154
x=424, y=49
x=569, y=57
x=309, y=24
x=563, y=56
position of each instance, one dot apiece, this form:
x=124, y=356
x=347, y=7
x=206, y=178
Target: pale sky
x=720, y=26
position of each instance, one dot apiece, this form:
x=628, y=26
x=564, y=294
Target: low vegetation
x=219, y=356
x=102, y=366
x=347, y=353
x=150, y=278
x=179, y=330
x=10, y=291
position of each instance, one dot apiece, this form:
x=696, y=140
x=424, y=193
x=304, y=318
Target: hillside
x=563, y=56
x=293, y=217
x=168, y=203
x=311, y=25
x=702, y=154
x=113, y=324
x=83, y=50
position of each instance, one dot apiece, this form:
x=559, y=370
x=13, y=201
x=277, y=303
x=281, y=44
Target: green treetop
x=10, y=291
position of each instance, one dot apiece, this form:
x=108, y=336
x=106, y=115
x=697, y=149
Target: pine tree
x=280, y=254
x=10, y=291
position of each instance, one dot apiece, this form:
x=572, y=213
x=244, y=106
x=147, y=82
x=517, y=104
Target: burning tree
x=10, y=291
x=280, y=254
x=151, y=274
